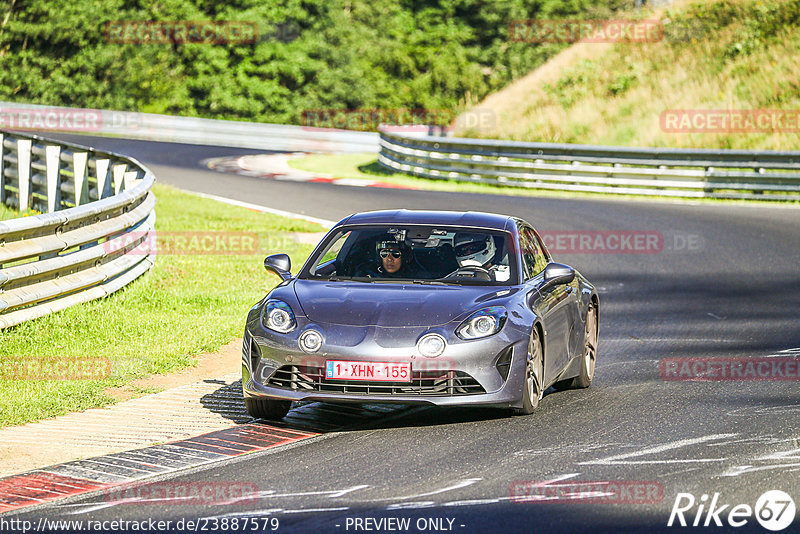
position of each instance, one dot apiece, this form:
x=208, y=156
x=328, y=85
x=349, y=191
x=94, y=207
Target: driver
x=478, y=250
x=392, y=259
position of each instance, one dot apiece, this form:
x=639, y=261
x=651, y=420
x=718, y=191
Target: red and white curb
x=85, y=476
x=276, y=167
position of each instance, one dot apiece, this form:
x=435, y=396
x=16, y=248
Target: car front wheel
x=267, y=408
x=532, y=385
x=589, y=356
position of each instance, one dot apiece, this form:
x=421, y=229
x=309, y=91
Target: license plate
x=375, y=371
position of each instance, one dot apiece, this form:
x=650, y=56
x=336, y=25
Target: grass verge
x=738, y=55
x=7, y=213
x=185, y=305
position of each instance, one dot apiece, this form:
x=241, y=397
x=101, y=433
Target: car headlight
x=431, y=345
x=483, y=323
x=310, y=341
x=279, y=317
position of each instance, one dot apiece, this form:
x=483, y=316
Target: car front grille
x=423, y=383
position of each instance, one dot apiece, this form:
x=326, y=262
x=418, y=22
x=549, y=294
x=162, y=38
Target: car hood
x=390, y=305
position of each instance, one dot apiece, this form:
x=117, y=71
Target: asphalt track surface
x=725, y=283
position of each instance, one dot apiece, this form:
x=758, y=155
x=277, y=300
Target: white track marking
x=411, y=505
x=791, y=456
x=474, y=502
x=742, y=469
x=267, y=494
x=315, y=510
x=462, y=484
x=622, y=459
x=271, y=511
x=264, y=209
x=553, y=481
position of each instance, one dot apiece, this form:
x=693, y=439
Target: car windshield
x=422, y=254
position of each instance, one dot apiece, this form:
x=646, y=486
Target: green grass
x=7, y=213
x=365, y=167
x=185, y=305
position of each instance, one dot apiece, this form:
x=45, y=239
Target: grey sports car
x=441, y=307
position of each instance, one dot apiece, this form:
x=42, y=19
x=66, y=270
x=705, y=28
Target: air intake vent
x=424, y=383
x=503, y=364
x=255, y=353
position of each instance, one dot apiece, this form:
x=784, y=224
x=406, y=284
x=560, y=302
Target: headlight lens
x=279, y=317
x=483, y=323
x=310, y=341
x=431, y=345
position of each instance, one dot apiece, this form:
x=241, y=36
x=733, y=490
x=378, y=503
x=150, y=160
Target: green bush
x=311, y=54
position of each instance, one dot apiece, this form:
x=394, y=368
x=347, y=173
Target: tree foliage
x=310, y=54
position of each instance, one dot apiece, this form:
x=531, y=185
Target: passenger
x=479, y=250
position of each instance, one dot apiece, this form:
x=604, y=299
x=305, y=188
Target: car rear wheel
x=267, y=408
x=532, y=386
x=589, y=357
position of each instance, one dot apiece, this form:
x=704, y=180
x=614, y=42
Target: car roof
x=474, y=219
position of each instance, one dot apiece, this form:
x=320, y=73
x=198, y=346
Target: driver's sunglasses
x=395, y=253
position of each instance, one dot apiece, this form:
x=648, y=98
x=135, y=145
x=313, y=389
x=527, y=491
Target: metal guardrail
x=82, y=246
x=190, y=130
x=731, y=174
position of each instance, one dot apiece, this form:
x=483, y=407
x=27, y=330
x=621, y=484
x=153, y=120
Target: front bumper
x=468, y=371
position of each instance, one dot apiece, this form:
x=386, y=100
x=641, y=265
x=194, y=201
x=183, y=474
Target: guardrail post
x=24, y=173
x=129, y=180
x=118, y=172
x=79, y=168
x=2, y=169
x=53, y=171
x=103, y=185
x=44, y=281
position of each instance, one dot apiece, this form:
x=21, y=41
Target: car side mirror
x=556, y=274
x=279, y=264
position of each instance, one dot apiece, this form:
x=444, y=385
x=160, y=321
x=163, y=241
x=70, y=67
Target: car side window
x=533, y=259
x=545, y=253
x=331, y=253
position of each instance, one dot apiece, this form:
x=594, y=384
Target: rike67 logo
x=774, y=510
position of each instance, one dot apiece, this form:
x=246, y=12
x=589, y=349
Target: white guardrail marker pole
x=24, y=173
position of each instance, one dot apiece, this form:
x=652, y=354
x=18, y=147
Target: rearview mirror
x=556, y=274
x=279, y=264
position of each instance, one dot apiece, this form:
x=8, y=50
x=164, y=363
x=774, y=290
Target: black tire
x=589, y=356
x=267, y=408
x=534, y=369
